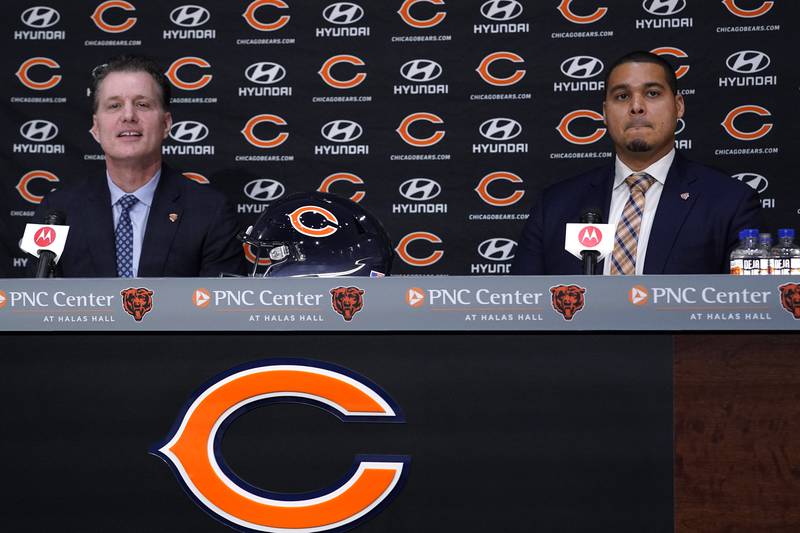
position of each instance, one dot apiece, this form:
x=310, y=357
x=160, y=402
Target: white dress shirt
x=620, y=194
x=139, y=212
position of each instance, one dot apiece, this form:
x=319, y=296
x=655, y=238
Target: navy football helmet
x=318, y=234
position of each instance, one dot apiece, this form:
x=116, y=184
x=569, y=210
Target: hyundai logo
x=188, y=131
x=39, y=130
x=663, y=8
x=500, y=129
x=342, y=131
x=421, y=70
x=420, y=189
x=758, y=182
x=265, y=73
x=343, y=13
x=190, y=16
x=582, y=67
x=40, y=17
x=747, y=61
x=264, y=190
x=680, y=126
x=498, y=249
x=501, y=10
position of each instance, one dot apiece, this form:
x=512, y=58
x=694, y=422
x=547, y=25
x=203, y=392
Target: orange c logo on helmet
x=748, y=13
x=437, y=136
x=194, y=176
x=251, y=257
x=565, y=10
x=483, y=189
x=736, y=133
x=22, y=74
x=325, y=72
x=405, y=14
x=192, y=448
x=328, y=225
x=483, y=69
x=674, y=52
x=325, y=186
x=249, y=134
x=402, y=249
x=22, y=186
x=250, y=15
x=172, y=73
x=97, y=16
x=563, y=127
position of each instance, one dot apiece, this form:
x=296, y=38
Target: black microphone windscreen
x=55, y=218
x=591, y=215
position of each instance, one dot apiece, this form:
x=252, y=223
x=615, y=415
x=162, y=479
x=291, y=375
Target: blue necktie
x=124, y=237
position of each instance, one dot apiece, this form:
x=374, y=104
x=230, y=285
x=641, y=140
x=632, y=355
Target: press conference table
x=519, y=403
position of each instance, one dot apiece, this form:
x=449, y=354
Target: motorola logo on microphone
x=38, y=132
x=499, y=130
x=500, y=13
x=420, y=190
x=341, y=132
x=188, y=133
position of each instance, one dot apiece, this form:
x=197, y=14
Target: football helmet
x=315, y=234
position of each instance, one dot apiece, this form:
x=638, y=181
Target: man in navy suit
x=141, y=219
x=684, y=220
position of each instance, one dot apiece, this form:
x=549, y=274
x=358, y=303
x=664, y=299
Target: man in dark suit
x=142, y=219
x=672, y=216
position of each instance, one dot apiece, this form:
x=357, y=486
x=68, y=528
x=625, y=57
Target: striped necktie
x=124, y=237
x=623, y=258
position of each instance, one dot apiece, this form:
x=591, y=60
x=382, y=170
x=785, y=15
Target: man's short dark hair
x=640, y=56
x=131, y=63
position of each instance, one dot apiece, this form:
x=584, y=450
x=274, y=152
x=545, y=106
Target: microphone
x=46, y=242
x=591, y=215
x=591, y=240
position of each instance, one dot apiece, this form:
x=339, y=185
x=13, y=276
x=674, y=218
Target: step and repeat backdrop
x=445, y=118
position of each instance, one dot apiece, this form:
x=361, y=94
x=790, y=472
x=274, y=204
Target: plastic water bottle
x=746, y=258
x=785, y=256
x=765, y=243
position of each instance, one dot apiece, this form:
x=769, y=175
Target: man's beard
x=638, y=145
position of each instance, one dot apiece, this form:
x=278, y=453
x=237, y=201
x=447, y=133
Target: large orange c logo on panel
x=193, y=448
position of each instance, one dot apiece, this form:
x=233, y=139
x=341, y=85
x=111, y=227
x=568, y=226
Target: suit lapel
x=100, y=229
x=161, y=230
x=670, y=215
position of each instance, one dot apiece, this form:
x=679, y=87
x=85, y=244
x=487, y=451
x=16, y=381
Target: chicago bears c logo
x=568, y=300
x=193, y=448
x=790, y=298
x=137, y=302
x=314, y=221
x=347, y=301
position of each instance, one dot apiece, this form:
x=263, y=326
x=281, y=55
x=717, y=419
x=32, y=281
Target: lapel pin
x=684, y=196
x=173, y=217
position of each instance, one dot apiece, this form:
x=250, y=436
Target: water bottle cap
x=748, y=234
x=786, y=233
